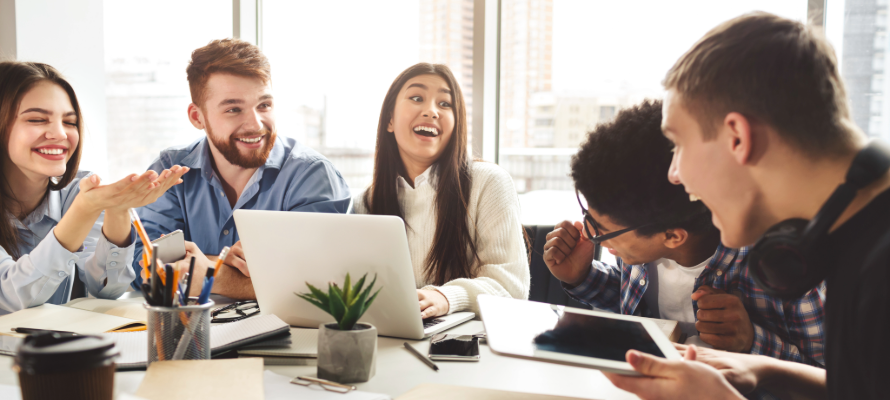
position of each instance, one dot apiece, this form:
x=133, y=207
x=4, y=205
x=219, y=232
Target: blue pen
x=208, y=285
x=181, y=296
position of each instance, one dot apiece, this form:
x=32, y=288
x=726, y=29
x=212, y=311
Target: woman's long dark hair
x=16, y=79
x=453, y=254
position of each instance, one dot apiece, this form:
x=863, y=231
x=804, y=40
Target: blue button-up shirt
x=294, y=178
x=44, y=271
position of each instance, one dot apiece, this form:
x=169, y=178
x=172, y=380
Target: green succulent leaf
x=357, y=289
x=312, y=300
x=338, y=306
x=346, y=290
x=371, y=300
x=346, y=305
x=319, y=295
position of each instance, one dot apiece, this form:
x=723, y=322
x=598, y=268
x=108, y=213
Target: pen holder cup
x=179, y=333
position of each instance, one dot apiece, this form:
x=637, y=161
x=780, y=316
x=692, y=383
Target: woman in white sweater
x=462, y=217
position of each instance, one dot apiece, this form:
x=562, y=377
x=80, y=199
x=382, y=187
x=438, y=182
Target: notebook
x=223, y=337
x=203, y=379
x=303, y=343
x=81, y=316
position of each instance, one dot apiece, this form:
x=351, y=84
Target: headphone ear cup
x=779, y=265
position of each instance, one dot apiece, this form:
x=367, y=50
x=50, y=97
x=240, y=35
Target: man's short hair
x=230, y=56
x=622, y=172
x=770, y=69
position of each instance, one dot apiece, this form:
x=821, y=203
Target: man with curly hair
x=671, y=263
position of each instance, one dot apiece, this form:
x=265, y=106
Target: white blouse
x=494, y=226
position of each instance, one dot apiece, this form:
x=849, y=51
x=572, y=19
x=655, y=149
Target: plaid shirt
x=790, y=330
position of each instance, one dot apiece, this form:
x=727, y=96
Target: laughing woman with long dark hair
x=58, y=219
x=462, y=217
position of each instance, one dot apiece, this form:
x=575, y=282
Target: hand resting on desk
x=237, y=259
x=228, y=280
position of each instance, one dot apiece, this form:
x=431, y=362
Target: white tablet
x=565, y=335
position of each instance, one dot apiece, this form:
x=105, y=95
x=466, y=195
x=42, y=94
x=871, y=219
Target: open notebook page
x=61, y=318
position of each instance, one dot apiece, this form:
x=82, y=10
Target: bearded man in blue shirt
x=241, y=164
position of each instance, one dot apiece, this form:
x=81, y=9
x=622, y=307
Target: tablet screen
x=593, y=336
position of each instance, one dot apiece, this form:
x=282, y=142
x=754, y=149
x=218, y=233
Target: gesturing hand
x=236, y=259
x=432, y=303
x=664, y=379
x=568, y=253
x=723, y=321
x=132, y=191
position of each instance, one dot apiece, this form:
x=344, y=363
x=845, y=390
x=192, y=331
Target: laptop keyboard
x=429, y=323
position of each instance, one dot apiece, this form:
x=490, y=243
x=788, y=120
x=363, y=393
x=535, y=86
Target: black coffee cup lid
x=42, y=353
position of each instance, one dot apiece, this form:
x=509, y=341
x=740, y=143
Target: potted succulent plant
x=347, y=350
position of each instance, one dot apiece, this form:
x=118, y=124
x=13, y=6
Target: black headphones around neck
x=782, y=261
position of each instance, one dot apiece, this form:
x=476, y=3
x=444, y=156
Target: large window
x=145, y=81
x=568, y=65
x=331, y=69
x=863, y=45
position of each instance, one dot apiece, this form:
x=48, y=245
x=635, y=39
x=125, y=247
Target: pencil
x=421, y=357
x=143, y=235
x=222, y=257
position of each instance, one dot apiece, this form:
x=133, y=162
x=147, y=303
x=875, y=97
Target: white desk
x=398, y=371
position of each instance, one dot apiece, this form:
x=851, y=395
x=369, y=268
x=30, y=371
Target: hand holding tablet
x=599, y=340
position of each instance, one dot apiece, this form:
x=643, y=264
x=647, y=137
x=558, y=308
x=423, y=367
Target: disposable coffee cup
x=58, y=366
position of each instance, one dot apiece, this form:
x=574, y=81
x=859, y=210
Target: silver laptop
x=284, y=250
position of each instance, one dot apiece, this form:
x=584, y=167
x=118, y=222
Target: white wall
x=68, y=35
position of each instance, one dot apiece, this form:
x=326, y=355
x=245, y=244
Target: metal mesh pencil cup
x=179, y=333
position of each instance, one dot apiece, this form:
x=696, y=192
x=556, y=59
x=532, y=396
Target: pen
x=421, y=357
x=29, y=331
x=188, y=283
x=208, y=285
x=155, y=279
x=169, y=286
x=146, y=293
x=181, y=297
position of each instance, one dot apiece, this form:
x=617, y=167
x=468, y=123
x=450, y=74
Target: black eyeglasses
x=235, y=311
x=589, y=221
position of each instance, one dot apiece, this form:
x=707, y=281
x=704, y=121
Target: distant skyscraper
x=865, y=65
x=526, y=66
x=446, y=37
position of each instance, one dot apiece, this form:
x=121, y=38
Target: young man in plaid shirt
x=671, y=263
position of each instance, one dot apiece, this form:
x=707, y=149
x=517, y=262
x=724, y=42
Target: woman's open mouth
x=427, y=131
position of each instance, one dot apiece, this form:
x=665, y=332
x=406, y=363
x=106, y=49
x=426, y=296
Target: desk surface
x=398, y=372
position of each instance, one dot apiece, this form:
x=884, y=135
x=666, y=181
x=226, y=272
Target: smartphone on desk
x=451, y=347
x=171, y=247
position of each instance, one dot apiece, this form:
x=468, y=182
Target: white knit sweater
x=494, y=225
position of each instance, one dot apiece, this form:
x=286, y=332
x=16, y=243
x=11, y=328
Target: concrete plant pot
x=347, y=356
